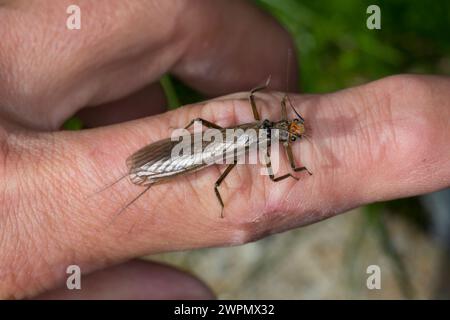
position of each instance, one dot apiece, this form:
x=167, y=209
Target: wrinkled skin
x=383, y=140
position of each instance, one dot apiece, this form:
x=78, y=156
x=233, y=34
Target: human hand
x=48, y=73
x=380, y=141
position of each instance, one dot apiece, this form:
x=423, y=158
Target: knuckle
x=29, y=228
x=220, y=112
x=393, y=117
x=254, y=225
x=27, y=162
x=407, y=86
x=4, y=151
x=9, y=159
x=415, y=119
x=23, y=68
x=244, y=234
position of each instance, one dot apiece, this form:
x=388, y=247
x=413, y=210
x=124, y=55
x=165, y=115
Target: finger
x=135, y=279
x=369, y=143
x=146, y=102
x=240, y=47
x=215, y=46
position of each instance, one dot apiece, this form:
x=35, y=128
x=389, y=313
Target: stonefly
x=156, y=162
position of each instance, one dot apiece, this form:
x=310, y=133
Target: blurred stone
x=326, y=260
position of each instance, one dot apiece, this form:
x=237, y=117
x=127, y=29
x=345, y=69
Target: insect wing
x=156, y=161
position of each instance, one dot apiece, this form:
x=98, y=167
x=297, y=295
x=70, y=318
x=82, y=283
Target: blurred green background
x=336, y=50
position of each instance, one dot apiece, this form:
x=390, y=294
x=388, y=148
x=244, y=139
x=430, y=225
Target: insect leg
x=292, y=161
x=271, y=175
x=204, y=122
x=252, y=98
x=217, y=185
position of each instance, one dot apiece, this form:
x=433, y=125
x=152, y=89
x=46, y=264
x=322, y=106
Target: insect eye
x=293, y=138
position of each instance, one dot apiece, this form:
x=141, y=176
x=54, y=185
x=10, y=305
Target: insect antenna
x=289, y=57
x=288, y=67
x=133, y=201
x=292, y=106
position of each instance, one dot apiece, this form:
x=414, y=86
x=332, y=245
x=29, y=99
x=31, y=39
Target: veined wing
x=161, y=160
x=155, y=161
